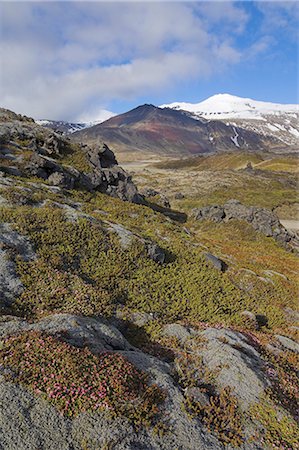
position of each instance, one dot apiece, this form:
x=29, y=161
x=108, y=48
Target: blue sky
x=72, y=60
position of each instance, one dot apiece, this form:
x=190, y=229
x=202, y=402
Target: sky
x=73, y=60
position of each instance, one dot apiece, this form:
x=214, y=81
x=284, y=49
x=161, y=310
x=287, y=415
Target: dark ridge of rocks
x=262, y=220
x=46, y=148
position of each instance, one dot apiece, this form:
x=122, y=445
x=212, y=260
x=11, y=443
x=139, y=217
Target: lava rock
x=217, y=262
x=155, y=252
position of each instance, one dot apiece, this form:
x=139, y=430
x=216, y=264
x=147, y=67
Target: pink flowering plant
x=75, y=380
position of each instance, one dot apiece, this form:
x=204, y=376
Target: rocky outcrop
x=29, y=421
x=262, y=220
x=230, y=356
x=46, y=149
x=157, y=196
x=237, y=364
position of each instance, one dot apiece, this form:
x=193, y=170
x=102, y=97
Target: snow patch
x=272, y=127
x=294, y=132
x=43, y=122
x=235, y=138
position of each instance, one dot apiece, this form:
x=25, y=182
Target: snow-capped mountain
x=65, y=127
x=62, y=126
x=269, y=119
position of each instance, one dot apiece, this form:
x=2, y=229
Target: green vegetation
x=82, y=268
x=75, y=380
x=76, y=158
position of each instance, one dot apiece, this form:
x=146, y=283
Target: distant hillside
x=159, y=131
x=235, y=160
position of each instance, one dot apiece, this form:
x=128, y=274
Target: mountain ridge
x=168, y=132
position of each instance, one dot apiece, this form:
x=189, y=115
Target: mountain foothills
x=155, y=309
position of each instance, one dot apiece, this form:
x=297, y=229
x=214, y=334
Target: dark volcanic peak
x=167, y=131
x=149, y=113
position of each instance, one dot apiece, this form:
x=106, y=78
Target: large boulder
x=100, y=156
x=237, y=364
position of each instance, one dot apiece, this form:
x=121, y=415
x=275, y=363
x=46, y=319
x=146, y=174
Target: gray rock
x=27, y=422
x=100, y=156
x=94, y=333
x=127, y=237
x=288, y=343
x=216, y=262
x=196, y=394
x=214, y=213
x=176, y=330
x=233, y=209
x=11, y=170
x=62, y=180
x=155, y=252
x=185, y=434
x=162, y=199
x=236, y=363
x=12, y=244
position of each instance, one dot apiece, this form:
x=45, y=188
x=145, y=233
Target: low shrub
x=75, y=380
x=221, y=416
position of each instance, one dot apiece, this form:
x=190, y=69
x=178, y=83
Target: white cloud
x=63, y=60
x=280, y=15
